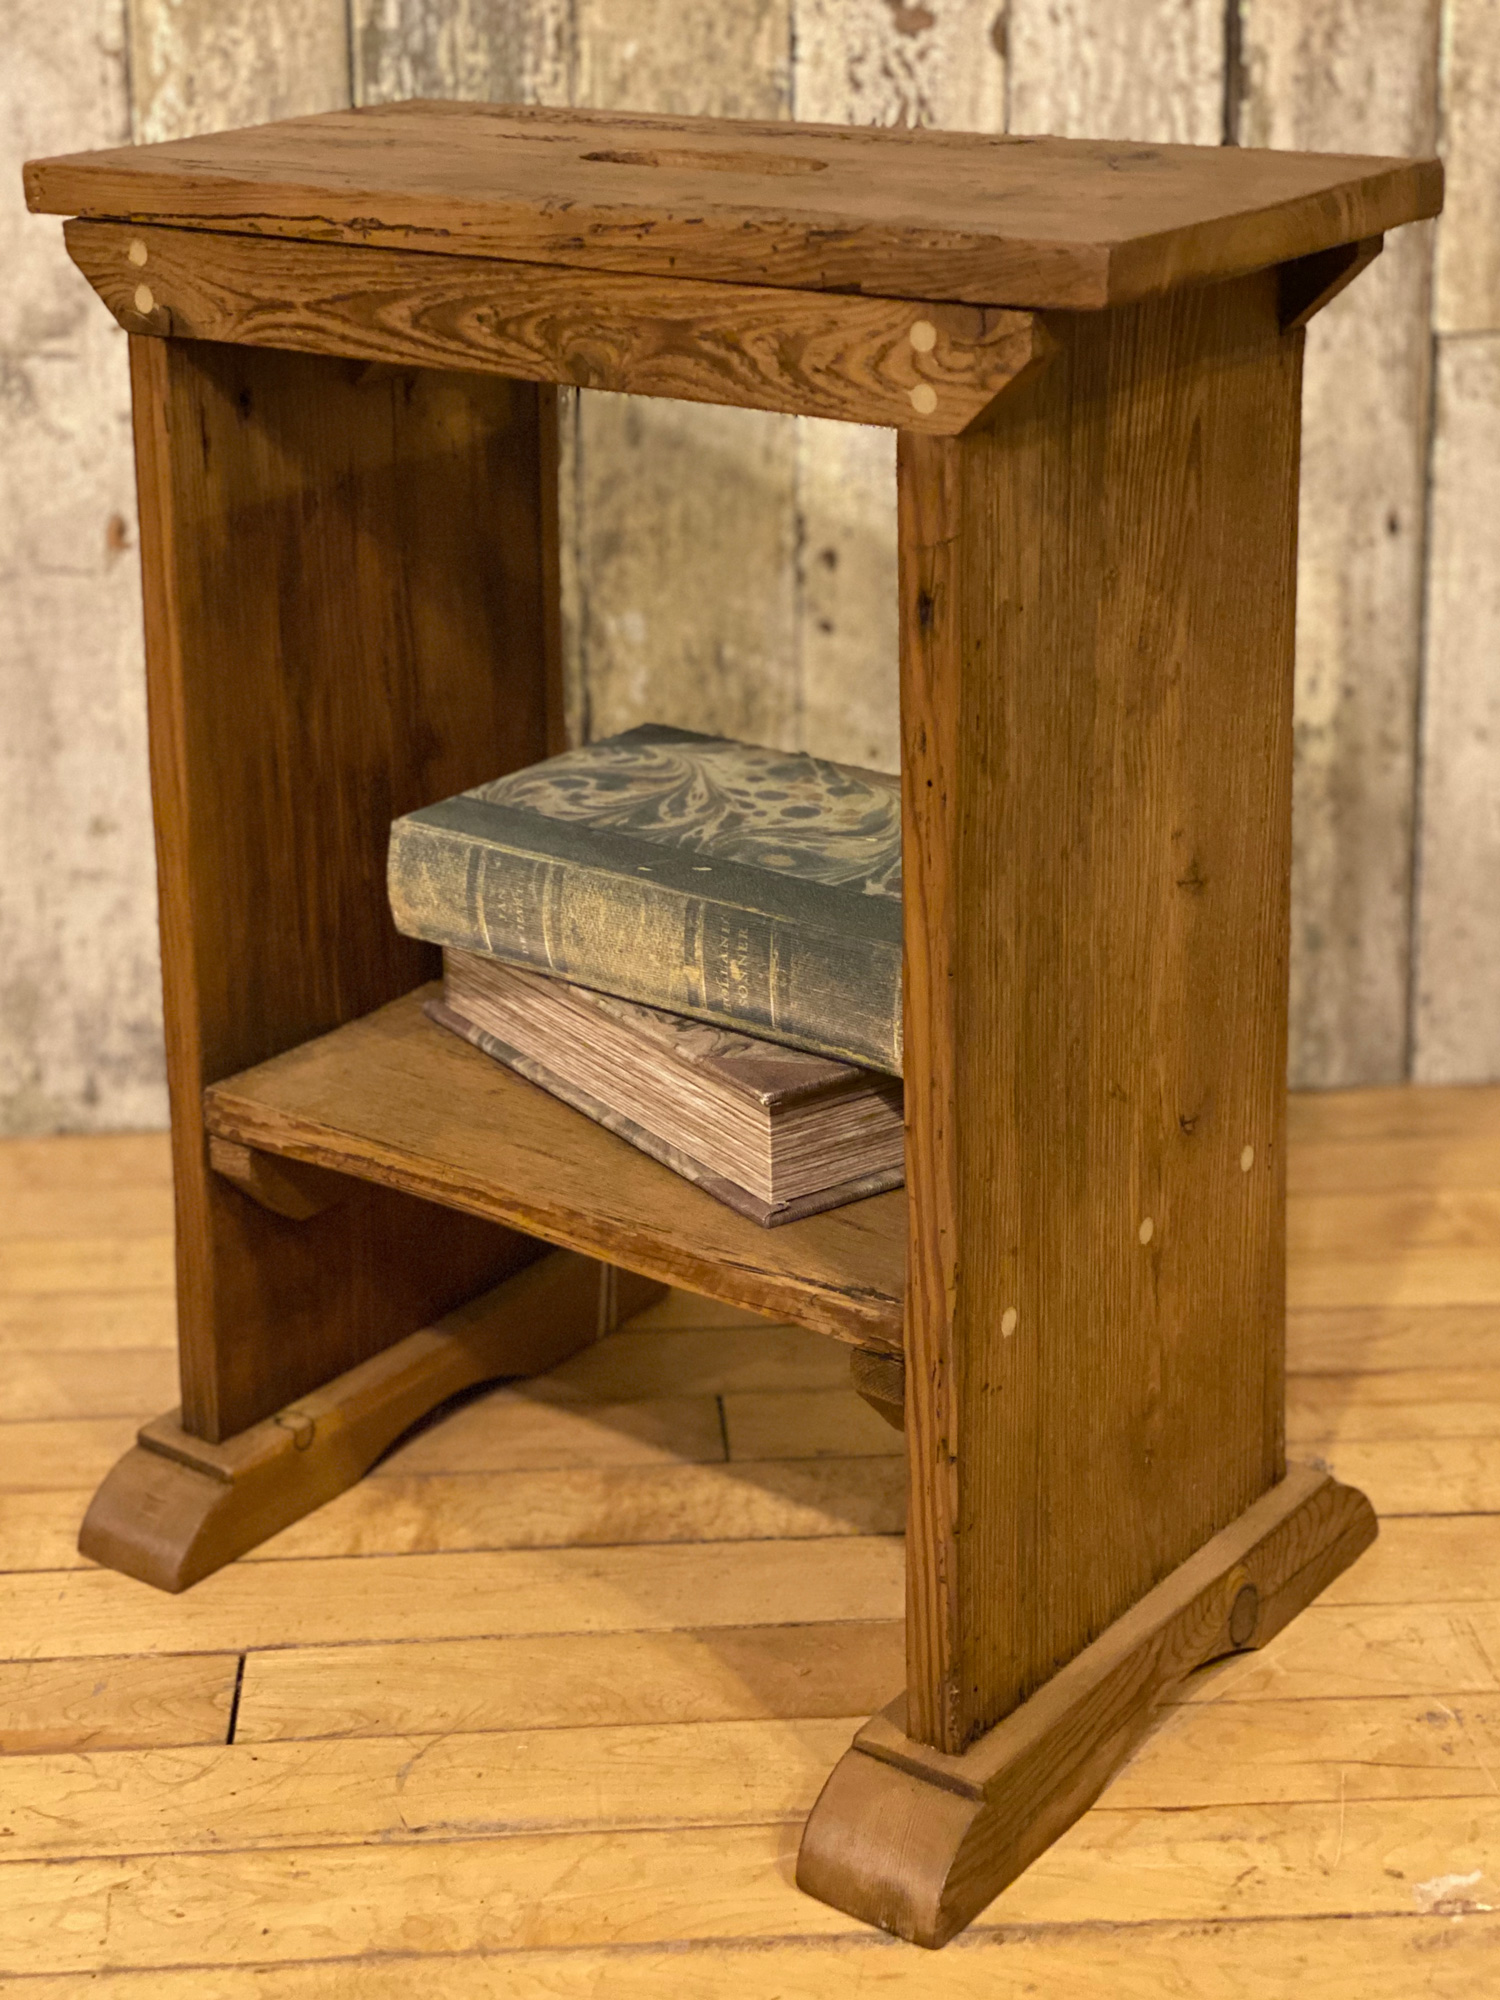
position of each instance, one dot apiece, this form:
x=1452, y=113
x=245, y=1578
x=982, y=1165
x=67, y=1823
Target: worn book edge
x=770, y=1075
x=767, y=1214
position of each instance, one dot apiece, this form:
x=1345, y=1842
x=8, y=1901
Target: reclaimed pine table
x=346, y=336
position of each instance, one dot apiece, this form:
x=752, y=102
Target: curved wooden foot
x=919, y=1842
x=176, y=1508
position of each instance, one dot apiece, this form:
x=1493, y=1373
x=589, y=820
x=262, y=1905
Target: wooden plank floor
x=539, y=1708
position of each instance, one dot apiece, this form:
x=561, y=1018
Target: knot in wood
x=1244, y=1615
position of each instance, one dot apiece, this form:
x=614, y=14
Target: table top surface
x=909, y=214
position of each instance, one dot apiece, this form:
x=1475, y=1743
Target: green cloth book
x=757, y=889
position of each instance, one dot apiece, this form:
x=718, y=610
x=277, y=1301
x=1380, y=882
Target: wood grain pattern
x=880, y=1379
x=1366, y=1223
x=64, y=1173
x=80, y=1028
x=682, y=57
x=816, y=1423
x=394, y=1100
x=176, y=1508
x=593, y=1890
x=594, y=1506
x=1379, y=1958
x=1395, y=1338
x=1310, y=283
x=1421, y=1278
x=1404, y=1476
x=52, y=1706
x=81, y=1033
x=363, y=683
x=1132, y=764
x=588, y=1501
x=39, y=1530
x=1467, y=283
x=1090, y=69
x=1324, y=1414
x=1145, y=879
x=1456, y=1029
x=42, y=1383
x=48, y=1454
x=207, y=65
x=1448, y=1558
x=86, y=1321
x=1330, y=1652
x=522, y=1429
x=1066, y=223
x=590, y=1679
x=625, y=1777
x=412, y=1788
x=861, y=62
x=1338, y=1772
x=1360, y=1653
x=919, y=1841
x=649, y=1359
x=747, y=346
x=662, y=492
x=1434, y=1163
x=131, y=1209
x=1335, y=73
x=647, y=1497
x=521, y=50
x=285, y=1187
x=498, y=1594
x=39, y=1266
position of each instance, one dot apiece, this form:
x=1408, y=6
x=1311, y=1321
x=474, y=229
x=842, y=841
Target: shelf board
x=392, y=1098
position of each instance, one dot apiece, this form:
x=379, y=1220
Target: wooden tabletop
x=910, y=214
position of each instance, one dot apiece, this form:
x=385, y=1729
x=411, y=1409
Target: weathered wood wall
x=733, y=570
x=1456, y=992
x=80, y=1007
x=1349, y=76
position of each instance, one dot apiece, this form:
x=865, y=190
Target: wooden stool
x=345, y=332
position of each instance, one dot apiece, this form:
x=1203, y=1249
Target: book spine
x=836, y=995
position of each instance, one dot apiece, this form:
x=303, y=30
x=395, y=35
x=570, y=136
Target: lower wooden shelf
x=392, y=1098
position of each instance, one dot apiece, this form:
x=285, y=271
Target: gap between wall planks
x=1347, y=1771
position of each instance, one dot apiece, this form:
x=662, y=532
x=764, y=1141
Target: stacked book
x=695, y=942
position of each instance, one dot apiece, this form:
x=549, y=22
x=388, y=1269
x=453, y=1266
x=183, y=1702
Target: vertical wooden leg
x=347, y=614
x=1097, y=618
x=350, y=611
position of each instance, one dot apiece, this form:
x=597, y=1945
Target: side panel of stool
x=1097, y=618
x=349, y=612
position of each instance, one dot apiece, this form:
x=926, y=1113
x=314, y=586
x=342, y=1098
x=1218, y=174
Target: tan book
x=773, y=1131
